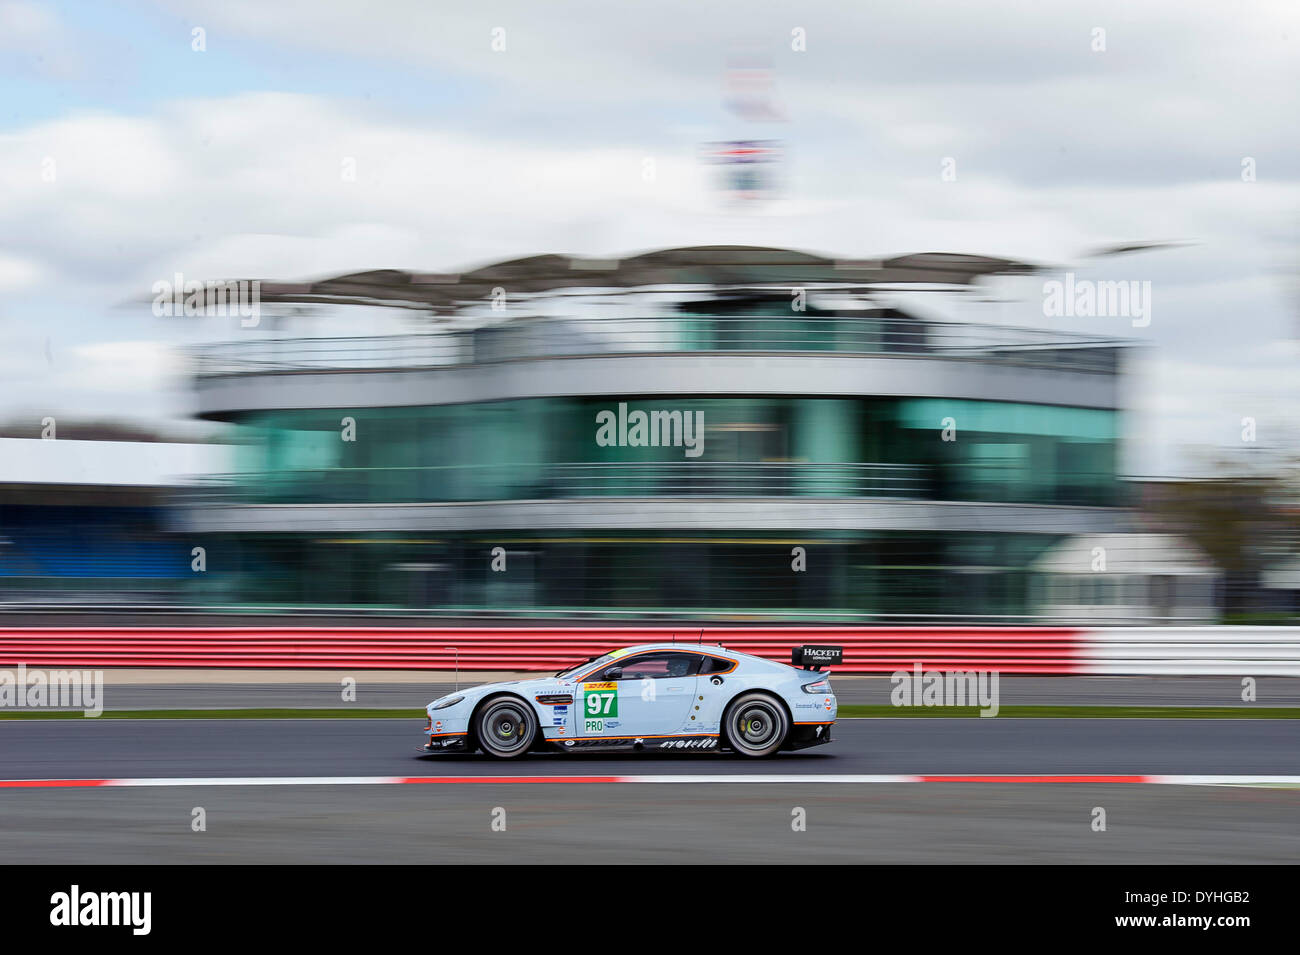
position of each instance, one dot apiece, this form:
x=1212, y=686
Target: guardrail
x=538, y=337
x=866, y=650
x=1246, y=651
x=562, y=481
x=1193, y=651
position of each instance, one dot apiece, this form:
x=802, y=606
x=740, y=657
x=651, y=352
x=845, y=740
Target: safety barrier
x=1046, y=650
x=1192, y=651
x=866, y=649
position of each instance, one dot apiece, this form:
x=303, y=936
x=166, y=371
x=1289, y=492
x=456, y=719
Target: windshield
x=584, y=664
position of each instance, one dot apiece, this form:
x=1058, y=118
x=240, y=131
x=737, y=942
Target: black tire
x=506, y=727
x=756, y=725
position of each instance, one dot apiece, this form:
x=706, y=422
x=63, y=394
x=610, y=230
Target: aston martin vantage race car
x=655, y=697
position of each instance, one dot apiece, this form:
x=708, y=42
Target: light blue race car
x=652, y=698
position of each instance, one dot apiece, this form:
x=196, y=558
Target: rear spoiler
x=816, y=657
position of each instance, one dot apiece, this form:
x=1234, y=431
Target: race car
x=656, y=697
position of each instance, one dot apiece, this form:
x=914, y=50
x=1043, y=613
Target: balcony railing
x=510, y=482
x=535, y=338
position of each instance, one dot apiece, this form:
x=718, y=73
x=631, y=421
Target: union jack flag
x=743, y=151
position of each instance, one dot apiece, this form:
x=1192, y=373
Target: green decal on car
x=599, y=700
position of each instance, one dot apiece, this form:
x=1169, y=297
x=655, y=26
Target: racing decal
x=559, y=716
x=599, y=707
x=690, y=742
x=693, y=742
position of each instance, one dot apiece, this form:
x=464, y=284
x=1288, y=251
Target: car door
x=714, y=686
x=645, y=694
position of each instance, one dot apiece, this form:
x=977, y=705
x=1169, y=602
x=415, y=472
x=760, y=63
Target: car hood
x=524, y=688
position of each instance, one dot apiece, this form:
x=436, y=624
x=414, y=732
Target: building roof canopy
x=713, y=266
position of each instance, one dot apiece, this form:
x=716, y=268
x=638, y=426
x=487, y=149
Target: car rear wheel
x=506, y=727
x=756, y=725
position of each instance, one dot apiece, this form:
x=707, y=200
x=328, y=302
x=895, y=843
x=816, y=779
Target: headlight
x=450, y=701
x=821, y=686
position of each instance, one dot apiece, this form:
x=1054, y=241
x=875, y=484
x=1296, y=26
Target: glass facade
x=762, y=442
x=927, y=448
x=892, y=575
x=553, y=448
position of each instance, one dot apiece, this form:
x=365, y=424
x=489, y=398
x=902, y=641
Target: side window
x=662, y=665
x=716, y=665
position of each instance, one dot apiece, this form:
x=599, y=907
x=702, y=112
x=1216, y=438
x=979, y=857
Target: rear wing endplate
x=816, y=657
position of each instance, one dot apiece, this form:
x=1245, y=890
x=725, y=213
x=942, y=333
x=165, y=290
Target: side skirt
x=694, y=743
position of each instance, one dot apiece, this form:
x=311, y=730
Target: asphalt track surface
x=67, y=749
x=675, y=822
x=437, y=825
x=1013, y=690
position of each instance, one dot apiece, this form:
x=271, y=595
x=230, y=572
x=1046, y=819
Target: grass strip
x=1077, y=711
x=255, y=713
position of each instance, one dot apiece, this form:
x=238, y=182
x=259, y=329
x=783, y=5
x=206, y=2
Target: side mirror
x=614, y=673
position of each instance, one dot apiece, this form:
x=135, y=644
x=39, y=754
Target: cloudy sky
x=142, y=139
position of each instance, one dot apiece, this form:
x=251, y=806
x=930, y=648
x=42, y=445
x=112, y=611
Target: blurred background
x=318, y=316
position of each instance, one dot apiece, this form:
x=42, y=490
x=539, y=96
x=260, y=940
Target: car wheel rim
x=757, y=725
x=507, y=727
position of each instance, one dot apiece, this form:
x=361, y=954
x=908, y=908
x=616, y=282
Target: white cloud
x=31, y=35
x=541, y=149
x=17, y=273
x=125, y=366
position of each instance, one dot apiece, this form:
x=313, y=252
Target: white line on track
x=742, y=778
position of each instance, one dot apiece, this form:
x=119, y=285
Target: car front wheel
x=756, y=725
x=506, y=727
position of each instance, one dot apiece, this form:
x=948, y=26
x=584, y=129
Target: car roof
x=685, y=647
x=690, y=647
